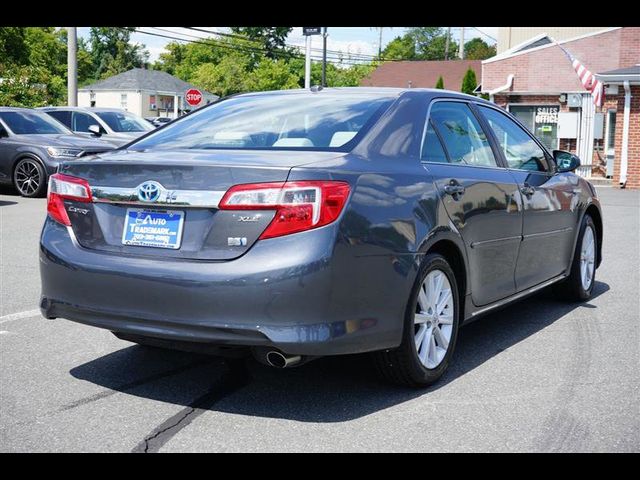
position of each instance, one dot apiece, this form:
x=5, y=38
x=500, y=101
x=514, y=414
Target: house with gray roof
x=148, y=93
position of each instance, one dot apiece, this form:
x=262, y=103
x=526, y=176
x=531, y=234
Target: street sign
x=311, y=31
x=193, y=97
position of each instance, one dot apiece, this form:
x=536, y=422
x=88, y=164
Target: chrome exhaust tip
x=278, y=359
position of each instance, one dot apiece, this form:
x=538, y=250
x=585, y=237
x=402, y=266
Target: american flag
x=587, y=79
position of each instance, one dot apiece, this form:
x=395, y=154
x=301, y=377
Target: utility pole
x=324, y=56
x=446, y=44
x=307, y=63
x=461, y=43
x=72, y=67
x=380, y=43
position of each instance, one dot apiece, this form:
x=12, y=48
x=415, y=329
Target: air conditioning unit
x=154, y=106
x=611, y=90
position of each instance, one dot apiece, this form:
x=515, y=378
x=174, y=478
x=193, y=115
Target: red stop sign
x=193, y=97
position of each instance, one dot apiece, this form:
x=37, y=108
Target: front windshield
x=124, y=122
x=30, y=123
x=312, y=121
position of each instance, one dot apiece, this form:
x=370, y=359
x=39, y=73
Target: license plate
x=153, y=228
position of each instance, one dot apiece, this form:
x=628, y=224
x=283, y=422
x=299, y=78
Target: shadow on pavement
x=8, y=190
x=332, y=389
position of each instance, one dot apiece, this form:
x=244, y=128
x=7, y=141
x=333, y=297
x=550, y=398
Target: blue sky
x=348, y=40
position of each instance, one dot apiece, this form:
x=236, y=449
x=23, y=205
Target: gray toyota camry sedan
x=305, y=223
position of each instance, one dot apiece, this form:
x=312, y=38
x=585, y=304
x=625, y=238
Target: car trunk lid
x=189, y=186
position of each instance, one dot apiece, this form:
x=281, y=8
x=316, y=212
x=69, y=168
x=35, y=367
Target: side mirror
x=3, y=132
x=566, y=161
x=95, y=129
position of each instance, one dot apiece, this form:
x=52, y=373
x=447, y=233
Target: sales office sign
x=547, y=114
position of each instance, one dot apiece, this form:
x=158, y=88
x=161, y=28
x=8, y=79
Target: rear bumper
x=286, y=292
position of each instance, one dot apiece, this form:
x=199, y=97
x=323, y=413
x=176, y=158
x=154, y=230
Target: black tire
x=30, y=178
x=402, y=365
x=572, y=288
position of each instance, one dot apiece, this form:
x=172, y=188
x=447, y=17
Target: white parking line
x=17, y=316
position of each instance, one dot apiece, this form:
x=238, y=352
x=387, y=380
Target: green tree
x=29, y=86
x=440, y=83
x=337, y=76
x=271, y=39
x=13, y=46
x=183, y=60
x=48, y=49
x=430, y=42
x=224, y=78
x=173, y=57
x=353, y=75
x=400, y=48
x=85, y=62
x=469, y=82
x=478, y=49
x=271, y=75
x=112, y=51
x=227, y=66
x=33, y=66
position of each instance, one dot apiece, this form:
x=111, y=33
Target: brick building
x=537, y=83
x=422, y=74
x=623, y=130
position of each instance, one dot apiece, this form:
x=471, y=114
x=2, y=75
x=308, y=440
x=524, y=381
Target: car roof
x=381, y=91
x=83, y=109
x=16, y=109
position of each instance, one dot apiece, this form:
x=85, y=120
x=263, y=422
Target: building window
x=541, y=120
x=123, y=101
x=611, y=133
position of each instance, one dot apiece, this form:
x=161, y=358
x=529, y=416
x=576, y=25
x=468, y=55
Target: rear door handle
x=454, y=188
x=527, y=190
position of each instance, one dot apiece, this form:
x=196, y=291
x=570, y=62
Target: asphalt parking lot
x=541, y=375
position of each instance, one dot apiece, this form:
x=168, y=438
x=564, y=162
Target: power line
x=242, y=48
x=485, y=34
x=340, y=58
x=337, y=52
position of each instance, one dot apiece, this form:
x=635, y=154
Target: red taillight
x=299, y=205
x=65, y=187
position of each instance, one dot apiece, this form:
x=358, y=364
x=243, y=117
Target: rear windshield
x=320, y=121
x=31, y=123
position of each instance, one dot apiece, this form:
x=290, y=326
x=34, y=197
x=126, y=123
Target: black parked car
x=32, y=144
x=326, y=222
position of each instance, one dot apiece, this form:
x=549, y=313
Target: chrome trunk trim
x=174, y=198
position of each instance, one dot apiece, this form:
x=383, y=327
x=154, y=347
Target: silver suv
x=113, y=125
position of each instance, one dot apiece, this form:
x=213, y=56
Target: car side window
x=82, y=122
x=520, y=150
x=63, y=116
x=462, y=135
x=432, y=150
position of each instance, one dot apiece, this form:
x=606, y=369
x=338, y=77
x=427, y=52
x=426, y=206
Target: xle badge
x=253, y=218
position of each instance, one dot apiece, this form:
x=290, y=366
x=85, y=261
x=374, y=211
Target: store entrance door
x=541, y=120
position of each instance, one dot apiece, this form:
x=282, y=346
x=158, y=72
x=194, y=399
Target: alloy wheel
x=587, y=257
x=433, y=319
x=27, y=177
